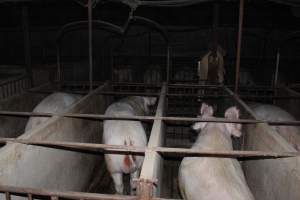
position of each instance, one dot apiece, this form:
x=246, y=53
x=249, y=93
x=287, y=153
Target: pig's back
x=270, y=112
x=213, y=178
x=116, y=131
x=206, y=178
x=55, y=103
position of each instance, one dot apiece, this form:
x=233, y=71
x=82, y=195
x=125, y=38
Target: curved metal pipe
x=97, y=24
x=152, y=24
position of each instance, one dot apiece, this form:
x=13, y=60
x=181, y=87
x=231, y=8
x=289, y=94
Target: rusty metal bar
x=149, y=118
x=240, y=102
x=65, y=195
x=165, y=151
x=239, y=43
x=151, y=174
x=90, y=31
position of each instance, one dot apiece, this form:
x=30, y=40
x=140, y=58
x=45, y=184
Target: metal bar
x=149, y=47
x=111, y=56
x=7, y=195
x=59, y=72
x=165, y=151
x=65, y=195
x=30, y=197
x=120, y=93
x=27, y=49
x=289, y=90
x=152, y=165
x=277, y=67
x=148, y=118
x=240, y=102
x=215, y=28
x=168, y=63
x=10, y=80
x=90, y=31
x=239, y=43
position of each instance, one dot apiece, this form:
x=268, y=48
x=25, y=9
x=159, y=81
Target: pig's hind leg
x=118, y=181
x=133, y=178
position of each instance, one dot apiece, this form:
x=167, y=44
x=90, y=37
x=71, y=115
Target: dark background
x=266, y=24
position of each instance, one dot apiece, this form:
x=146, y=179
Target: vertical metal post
x=239, y=42
x=25, y=27
x=7, y=196
x=59, y=76
x=30, y=197
x=215, y=28
x=90, y=15
x=168, y=63
x=111, y=62
x=276, y=75
x=149, y=46
x=277, y=67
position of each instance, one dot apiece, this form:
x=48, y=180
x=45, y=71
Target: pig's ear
x=206, y=110
x=234, y=129
x=199, y=126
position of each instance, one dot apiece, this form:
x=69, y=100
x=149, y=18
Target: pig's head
x=148, y=102
x=206, y=111
x=233, y=129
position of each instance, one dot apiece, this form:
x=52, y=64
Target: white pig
x=208, y=178
x=54, y=103
x=130, y=133
x=274, y=113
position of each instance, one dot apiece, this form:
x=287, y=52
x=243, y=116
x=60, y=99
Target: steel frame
x=149, y=181
x=152, y=167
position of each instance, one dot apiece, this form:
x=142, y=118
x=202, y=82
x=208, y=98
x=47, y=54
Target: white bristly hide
x=209, y=178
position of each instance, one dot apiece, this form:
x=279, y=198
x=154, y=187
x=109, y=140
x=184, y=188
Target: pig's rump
x=56, y=102
x=126, y=133
x=274, y=113
x=212, y=178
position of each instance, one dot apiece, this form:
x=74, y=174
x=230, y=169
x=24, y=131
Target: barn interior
x=105, y=50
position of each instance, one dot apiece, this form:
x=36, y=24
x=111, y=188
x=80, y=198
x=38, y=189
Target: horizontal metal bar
x=204, y=96
x=67, y=195
x=13, y=79
x=176, y=85
x=25, y=191
x=173, y=152
x=133, y=84
x=147, y=118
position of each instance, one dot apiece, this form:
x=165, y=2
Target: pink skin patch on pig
x=127, y=162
